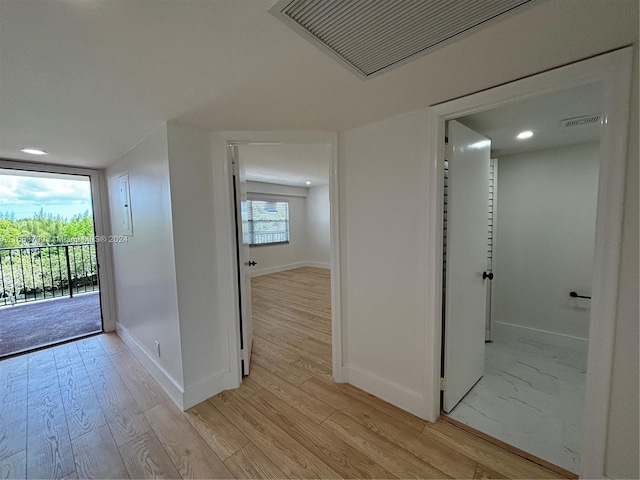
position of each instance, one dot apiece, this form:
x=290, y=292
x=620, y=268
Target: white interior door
x=465, y=292
x=243, y=240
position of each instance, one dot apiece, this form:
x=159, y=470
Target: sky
x=64, y=195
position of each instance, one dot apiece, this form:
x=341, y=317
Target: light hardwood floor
x=88, y=409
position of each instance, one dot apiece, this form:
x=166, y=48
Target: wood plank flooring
x=88, y=409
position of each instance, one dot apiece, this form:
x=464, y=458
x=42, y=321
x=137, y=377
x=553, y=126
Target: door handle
x=486, y=275
x=250, y=263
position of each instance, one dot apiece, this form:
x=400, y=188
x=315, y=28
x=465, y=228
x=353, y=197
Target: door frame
x=100, y=222
x=245, y=311
x=225, y=237
x=613, y=70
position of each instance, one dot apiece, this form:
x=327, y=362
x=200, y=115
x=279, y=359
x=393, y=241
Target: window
x=267, y=222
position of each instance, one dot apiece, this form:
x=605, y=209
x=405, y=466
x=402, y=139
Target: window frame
x=265, y=198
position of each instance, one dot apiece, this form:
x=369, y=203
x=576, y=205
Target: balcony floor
x=31, y=325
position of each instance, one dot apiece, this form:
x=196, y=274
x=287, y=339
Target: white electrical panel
x=126, y=225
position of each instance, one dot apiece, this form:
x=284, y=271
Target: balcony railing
x=35, y=273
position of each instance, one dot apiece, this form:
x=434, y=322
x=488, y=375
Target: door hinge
x=243, y=355
x=443, y=384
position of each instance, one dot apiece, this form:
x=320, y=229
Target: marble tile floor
x=531, y=396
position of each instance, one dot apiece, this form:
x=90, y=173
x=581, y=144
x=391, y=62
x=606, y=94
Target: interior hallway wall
x=319, y=226
x=203, y=335
x=383, y=177
x=545, y=234
x=165, y=276
x=144, y=267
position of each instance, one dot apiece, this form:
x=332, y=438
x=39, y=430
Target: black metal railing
x=35, y=273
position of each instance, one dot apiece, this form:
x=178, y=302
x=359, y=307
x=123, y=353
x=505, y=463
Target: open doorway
x=613, y=72
x=49, y=279
x=284, y=226
x=533, y=269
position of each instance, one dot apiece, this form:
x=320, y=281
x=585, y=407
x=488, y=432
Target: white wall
x=545, y=235
x=205, y=349
x=319, y=226
x=309, y=228
x=166, y=274
x=382, y=174
x=623, y=444
x=144, y=268
x=384, y=258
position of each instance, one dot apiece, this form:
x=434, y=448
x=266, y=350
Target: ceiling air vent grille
x=579, y=121
x=371, y=36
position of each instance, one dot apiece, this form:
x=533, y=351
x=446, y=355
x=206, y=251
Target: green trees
x=10, y=233
x=81, y=226
x=46, y=256
x=45, y=229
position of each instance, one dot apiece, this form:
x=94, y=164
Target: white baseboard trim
x=290, y=266
x=172, y=388
x=205, y=389
x=543, y=336
x=395, y=394
x=183, y=398
x=326, y=266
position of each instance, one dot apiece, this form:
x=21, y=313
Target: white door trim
x=225, y=239
x=101, y=225
x=613, y=70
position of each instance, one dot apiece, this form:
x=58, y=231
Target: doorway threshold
x=510, y=448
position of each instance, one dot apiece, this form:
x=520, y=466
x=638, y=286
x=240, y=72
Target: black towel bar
x=575, y=295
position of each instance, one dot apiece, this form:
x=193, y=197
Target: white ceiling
x=287, y=164
x=87, y=80
x=543, y=116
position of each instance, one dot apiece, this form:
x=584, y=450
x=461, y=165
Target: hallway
x=88, y=409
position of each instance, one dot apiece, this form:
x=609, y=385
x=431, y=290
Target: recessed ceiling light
x=524, y=135
x=308, y=183
x=33, y=151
